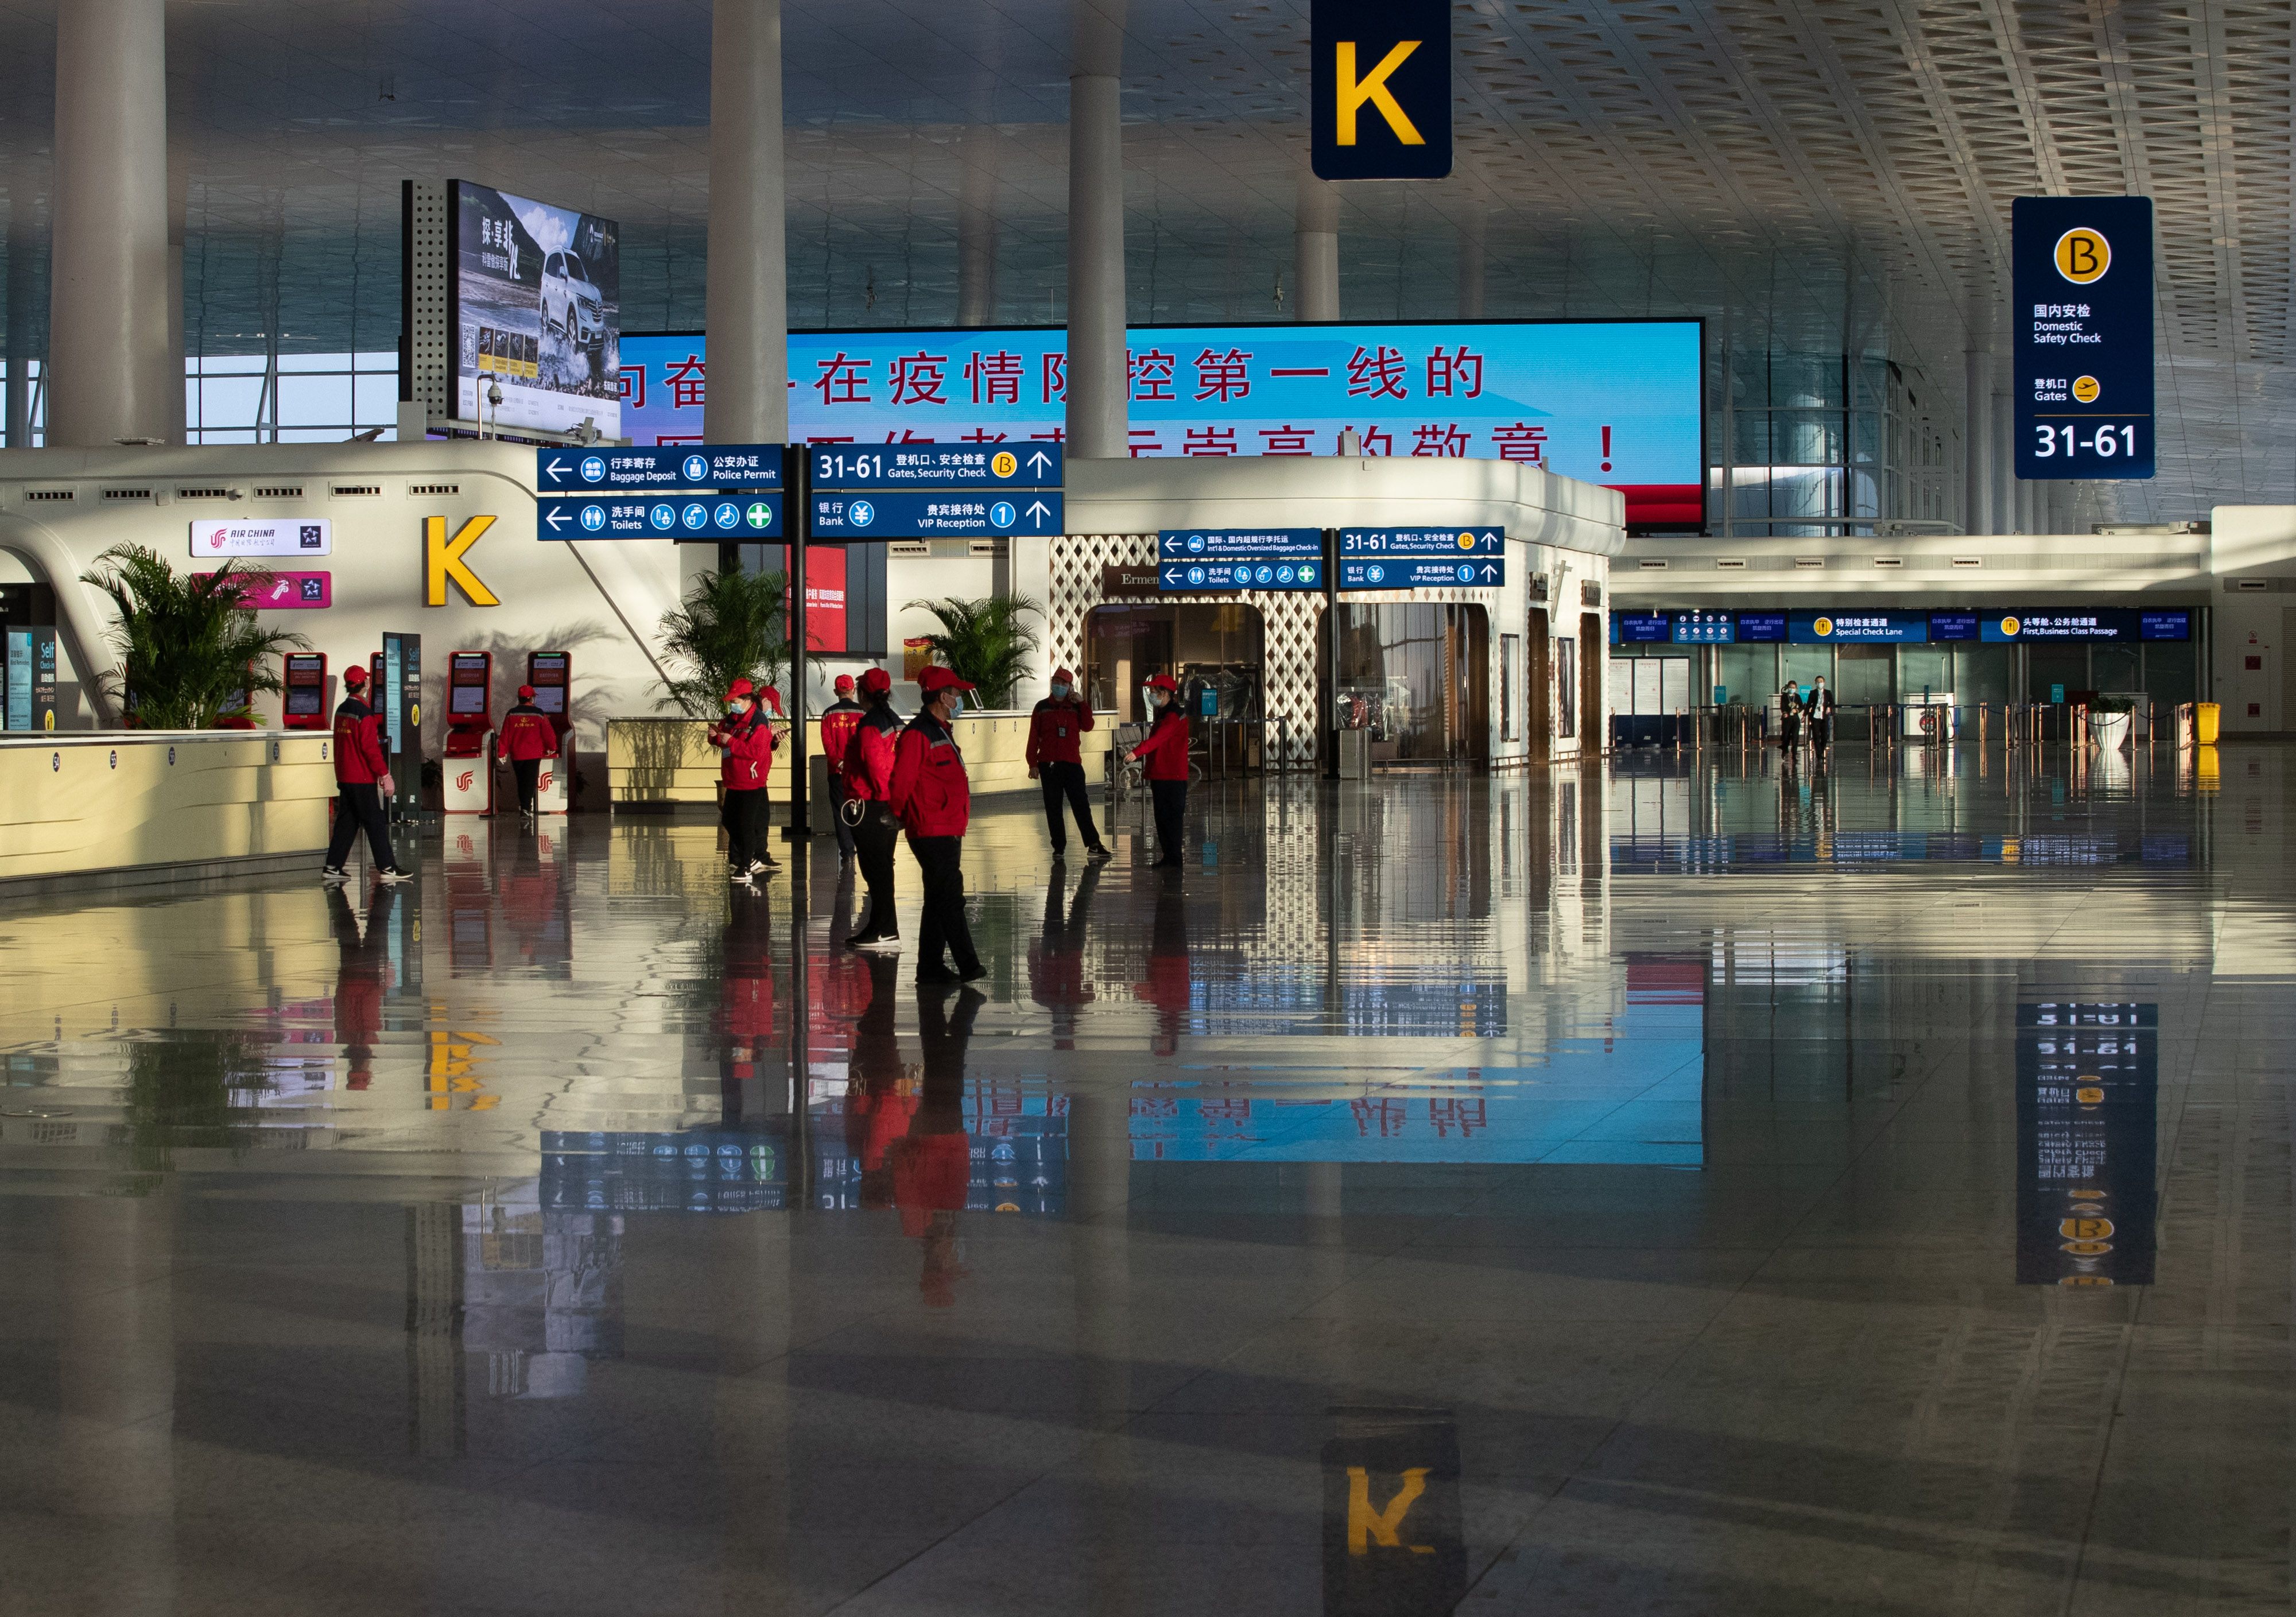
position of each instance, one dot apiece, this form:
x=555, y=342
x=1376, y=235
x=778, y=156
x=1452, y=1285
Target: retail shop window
x=1216, y=652
x=1418, y=677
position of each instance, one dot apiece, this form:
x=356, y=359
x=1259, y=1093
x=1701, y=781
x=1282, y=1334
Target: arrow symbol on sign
x=1489, y=571
x=1038, y=461
x=556, y=518
x=556, y=469
x=1172, y=575
x=1039, y=511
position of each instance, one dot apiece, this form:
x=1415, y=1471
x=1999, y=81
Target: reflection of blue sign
x=757, y=516
x=909, y=514
x=2087, y=1127
x=927, y=465
x=658, y=471
x=1422, y=573
x=697, y=1171
x=2081, y=326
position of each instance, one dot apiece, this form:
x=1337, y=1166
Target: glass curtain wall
x=258, y=398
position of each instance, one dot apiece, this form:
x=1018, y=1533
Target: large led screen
x=1610, y=402
x=538, y=311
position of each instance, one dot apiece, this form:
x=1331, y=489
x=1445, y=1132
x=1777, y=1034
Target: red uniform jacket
x=930, y=792
x=748, y=742
x=1165, y=753
x=838, y=723
x=869, y=757
x=1055, y=732
x=527, y=734
x=359, y=759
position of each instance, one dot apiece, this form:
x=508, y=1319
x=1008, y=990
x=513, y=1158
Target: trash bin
x=2205, y=718
x=1354, y=755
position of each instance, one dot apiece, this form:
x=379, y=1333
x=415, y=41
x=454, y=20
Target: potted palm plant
x=191, y=649
x=985, y=641
x=729, y=627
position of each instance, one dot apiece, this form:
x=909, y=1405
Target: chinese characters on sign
x=2082, y=320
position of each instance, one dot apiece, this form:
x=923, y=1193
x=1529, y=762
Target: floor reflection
x=1702, y=1186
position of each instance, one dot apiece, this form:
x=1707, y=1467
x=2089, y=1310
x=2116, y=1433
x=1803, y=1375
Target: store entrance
x=1418, y=677
x=1213, y=651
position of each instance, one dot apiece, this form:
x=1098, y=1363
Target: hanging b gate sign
x=1380, y=93
x=2083, y=323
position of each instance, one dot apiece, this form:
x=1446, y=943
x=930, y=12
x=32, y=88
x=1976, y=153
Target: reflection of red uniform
x=1169, y=980
x=359, y=981
x=1056, y=979
x=932, y=1173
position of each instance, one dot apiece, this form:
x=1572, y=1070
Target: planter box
x=664, y=762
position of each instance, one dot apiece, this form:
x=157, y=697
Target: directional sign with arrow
x=1021, y=466
x=744, y=518
x=1184, y=578
x=667, y=469
x=906, y=513
x=1422, y=572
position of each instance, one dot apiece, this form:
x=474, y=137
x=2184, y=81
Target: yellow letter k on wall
x=442, y=559
x=1354, y=92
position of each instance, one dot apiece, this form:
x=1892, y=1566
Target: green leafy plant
x=984, y=641
x=2112, y=704
x=188, y=646
x=731, y=626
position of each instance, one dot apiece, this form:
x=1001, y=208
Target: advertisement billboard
x=284, y=537
x=535, y=310
x=1618, y=403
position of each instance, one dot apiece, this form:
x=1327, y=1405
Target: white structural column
x=976, y=228
x=1098, y=386
x=1317, y=248
x=110, y=373
x=2004, y=464
x=747, y=305
x=1977, y=443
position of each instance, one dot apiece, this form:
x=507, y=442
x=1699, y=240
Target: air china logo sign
x=295, y=537
x=547, y=777
x=462, y=781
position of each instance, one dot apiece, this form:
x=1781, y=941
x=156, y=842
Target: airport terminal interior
x=1603, y=686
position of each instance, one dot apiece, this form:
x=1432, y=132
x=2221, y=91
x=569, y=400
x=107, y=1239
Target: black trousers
x=747, y=824
x=528, y=771
x=1171, y=798
x=1821, y=734
x=943, y=927
x=845, y=843
x=356, y=806
x=872, y=850
x=1061, y=780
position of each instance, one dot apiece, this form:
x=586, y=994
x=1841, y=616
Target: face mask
x=736, y=709
x=1154, y=698
x=1059, y=691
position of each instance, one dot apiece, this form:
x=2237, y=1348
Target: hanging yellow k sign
x=442, y=559
x=1354, y=92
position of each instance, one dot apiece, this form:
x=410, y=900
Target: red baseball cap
x=740, y=687
x=938, y=678
x=876, y=681
x=526, y=692
x=1062, y=676
x=354, y=675
x=771, y=698
x=1161, y=682
x=844, y=683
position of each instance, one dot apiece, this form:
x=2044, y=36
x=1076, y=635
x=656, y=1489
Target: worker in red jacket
x=1056, y=759
x=746, y=738
x=933, y=799
x=1164, y=759
x=839, y=720
x=525, y=738
x=868, y=782
x=362, y=781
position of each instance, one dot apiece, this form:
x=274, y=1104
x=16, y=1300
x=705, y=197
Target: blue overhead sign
x=1378, y=89
x=1859, y=627
x=1423, y=573
x=671, y=469
x=936, y=465
x=1181, y=577
x=2083, y=328
x=909, y=514
x=726, y=518
x=1450, y=544
x=1239, y=544
x=1704, y=628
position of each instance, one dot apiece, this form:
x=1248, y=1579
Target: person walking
x=868, y=780
x=746, y=739
x=839, y=720
x=933, y=799
x=1789, y=717
x=362, y=781
x=1056, y=757
x=1164, y=760
x=525, y=738
x=1819, y=706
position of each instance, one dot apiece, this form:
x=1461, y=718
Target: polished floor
x=1702, y=1187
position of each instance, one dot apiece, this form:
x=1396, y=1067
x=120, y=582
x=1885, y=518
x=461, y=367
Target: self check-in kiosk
x=469, y=783
x=551, y=676
x=303, y=704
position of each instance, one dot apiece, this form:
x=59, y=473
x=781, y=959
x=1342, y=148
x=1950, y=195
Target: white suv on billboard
x=569, y=303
